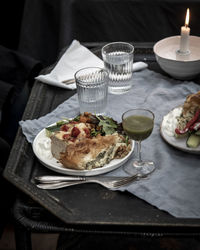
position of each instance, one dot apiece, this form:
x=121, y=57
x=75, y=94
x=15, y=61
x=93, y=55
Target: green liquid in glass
x=138, y=127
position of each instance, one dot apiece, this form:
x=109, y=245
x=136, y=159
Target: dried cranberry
x=73, y=122
x=75, y=132
x=64, y=127
x=66, y=136
x=87, y=131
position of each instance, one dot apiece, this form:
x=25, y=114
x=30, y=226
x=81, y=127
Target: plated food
x=188, y=123
x=87, y=143
x=183, y=124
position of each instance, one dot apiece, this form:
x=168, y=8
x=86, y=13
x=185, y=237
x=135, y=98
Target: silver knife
x=58, y=185
x=55, y=179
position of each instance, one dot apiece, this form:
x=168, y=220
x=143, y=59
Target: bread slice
x=58, y=145
x=61, y=139
x=190, y=106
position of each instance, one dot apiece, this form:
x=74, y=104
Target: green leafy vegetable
x=127, y=140
x=94, y=132
x=62, y=122
x=103, y=125
x=48, y=133
x=54, y=128
x=109, y=126
x=77, y=118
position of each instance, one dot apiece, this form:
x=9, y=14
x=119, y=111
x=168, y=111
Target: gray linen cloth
x=175, y=185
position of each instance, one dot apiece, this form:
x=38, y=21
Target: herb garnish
x=103, y=125
x=54, y=128
x=109, y=126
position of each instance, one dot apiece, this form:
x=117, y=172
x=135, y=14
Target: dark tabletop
x=89, y=206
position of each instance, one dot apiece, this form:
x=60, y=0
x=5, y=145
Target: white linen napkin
x=75, y=57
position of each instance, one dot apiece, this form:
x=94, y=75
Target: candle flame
x=187, y=18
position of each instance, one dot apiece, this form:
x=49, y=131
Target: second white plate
x=177, y=143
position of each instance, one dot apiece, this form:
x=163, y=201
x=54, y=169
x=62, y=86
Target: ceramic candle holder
x=178, y=65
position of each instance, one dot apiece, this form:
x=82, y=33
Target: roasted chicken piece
x=192, y=104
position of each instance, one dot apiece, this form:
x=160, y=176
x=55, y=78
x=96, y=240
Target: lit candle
x=185, y=33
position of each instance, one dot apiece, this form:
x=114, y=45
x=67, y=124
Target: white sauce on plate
x=170, y=122
x=44, y=147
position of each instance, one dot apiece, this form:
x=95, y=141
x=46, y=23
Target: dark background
x=41, y=28
x=36, y=31
x=10, y=22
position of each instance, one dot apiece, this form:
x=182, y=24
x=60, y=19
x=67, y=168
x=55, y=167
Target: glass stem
x=138, y=151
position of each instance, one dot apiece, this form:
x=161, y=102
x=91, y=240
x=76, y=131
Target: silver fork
x=111, y=184
x=59, y=178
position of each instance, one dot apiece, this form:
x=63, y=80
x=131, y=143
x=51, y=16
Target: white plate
x=177, y=143
x=42, y=149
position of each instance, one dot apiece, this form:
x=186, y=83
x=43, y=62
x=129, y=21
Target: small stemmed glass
x=138, y=125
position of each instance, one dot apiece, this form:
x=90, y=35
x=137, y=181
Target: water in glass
x=118, y=61
x=92, y=89
x=93, y=98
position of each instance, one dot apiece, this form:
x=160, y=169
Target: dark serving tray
x=88, y=206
